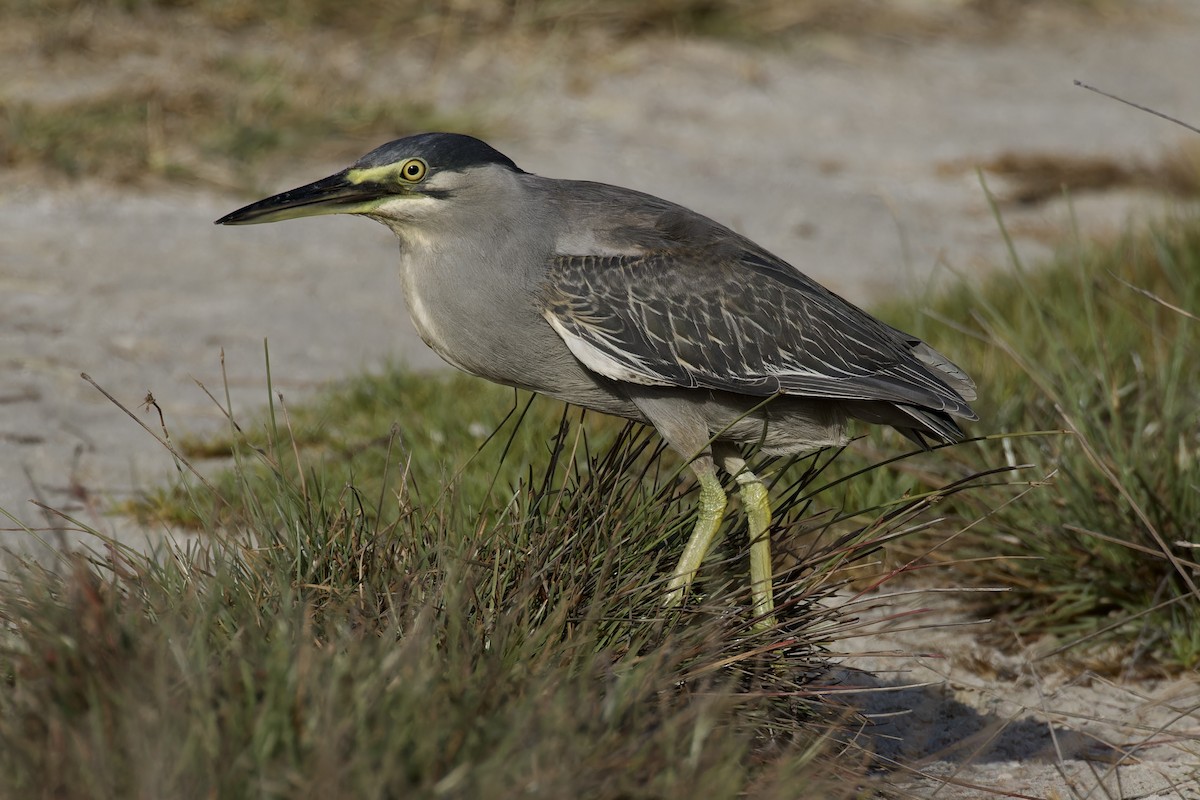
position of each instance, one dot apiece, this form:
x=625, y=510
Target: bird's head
x=401, y=184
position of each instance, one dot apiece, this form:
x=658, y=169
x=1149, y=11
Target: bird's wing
x=739, y=320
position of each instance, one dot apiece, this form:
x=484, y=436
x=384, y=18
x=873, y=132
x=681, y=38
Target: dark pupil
x=414, y=169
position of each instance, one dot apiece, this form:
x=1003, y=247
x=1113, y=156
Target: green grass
x=1087, y=345
x=323, y=640
x=436, y=430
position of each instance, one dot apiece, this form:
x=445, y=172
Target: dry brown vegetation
x=1035, y=177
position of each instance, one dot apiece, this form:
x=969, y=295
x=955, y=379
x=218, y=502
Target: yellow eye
x=413, y=170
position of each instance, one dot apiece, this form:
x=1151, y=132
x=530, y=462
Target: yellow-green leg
x=757, y=504
x=711, y=512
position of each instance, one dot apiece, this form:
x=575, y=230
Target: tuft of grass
x=1100, y=345
x=329, y=640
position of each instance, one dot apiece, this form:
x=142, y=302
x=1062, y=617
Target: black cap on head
x=445, y=151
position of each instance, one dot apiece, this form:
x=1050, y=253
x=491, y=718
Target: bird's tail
x=936, y=424
x=917, y=424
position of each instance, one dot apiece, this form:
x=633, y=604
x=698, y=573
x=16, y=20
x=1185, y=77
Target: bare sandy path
x=834, y=160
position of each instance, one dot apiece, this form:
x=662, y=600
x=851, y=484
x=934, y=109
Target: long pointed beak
x=333, y=195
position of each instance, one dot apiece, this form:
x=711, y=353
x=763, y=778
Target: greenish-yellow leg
x=712, y=511
x=757, y=504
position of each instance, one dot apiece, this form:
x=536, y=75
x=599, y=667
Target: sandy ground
x=968, y=720
x=851, y=160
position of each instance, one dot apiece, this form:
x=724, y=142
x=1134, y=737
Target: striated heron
x=627, y=304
